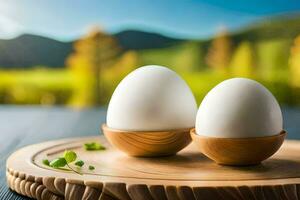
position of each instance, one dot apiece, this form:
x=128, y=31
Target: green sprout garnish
x=93, y=146
x=64, y=162
x=58, y=162
x=79, y=163
x=70, y=156
x=46, y=162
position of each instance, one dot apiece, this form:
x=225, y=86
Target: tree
x=272, y=58
x=242, y=63
x=219, y=53
x=294, y=63
x=92, y=54
x=189, y=58
x=112, y=76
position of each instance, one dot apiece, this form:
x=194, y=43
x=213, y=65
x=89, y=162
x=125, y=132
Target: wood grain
x=148, y=144
x=187, y=175
x=238, y=151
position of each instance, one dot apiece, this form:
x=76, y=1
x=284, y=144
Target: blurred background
x=74, y=53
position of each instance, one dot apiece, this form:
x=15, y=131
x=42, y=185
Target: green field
x=47, y=86
x=37, y=86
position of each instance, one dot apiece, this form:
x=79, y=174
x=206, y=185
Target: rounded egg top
x=239, y=108
x=152, y=98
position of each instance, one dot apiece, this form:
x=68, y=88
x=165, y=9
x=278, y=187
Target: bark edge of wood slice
x=187, y=175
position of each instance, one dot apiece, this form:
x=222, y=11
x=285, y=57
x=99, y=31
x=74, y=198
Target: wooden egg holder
x=148, y=143
x=225, y=151
x=238, y=151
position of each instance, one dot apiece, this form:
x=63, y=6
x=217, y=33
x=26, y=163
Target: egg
x=152, y=98
x=239, y=108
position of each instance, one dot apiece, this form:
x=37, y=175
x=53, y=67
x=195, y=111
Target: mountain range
x=32, y=50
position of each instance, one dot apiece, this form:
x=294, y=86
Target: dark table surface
x=21, y=126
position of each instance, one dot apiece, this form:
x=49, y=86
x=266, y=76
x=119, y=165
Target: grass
x=202, y=82
x=45, y=86
x=36, y=86
x=44, y=78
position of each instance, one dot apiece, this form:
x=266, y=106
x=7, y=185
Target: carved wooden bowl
x=238, y=151
x=148, y=143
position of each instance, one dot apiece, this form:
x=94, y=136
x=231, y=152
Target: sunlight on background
x=9, y=27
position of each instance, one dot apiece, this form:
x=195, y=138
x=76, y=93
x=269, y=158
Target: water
x=291, y=118
x=23, y=125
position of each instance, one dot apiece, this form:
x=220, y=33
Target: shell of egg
x=239, y=108
x=152, y=98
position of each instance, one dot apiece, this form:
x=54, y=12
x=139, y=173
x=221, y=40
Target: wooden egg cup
x=238, y=151
x=148, y=143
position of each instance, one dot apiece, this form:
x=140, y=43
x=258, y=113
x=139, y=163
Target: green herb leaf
x=79, y=163
x=46, y=162
x=58, y=162
x=70, y=156
x=91, y=167
x=93, y=146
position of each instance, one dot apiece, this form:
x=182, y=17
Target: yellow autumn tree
x=294, y=63
x=219, y=53
x=189, y=58
x=125, y=64
x=92, y=54
x=242, y=62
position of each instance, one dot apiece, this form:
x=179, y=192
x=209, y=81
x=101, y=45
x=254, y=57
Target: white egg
x=239, y=108
x=152, y=98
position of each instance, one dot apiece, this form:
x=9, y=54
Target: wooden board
x=188, y=175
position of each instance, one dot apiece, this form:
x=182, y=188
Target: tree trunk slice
x=187, y=175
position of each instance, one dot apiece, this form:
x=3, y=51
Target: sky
x=69, y=19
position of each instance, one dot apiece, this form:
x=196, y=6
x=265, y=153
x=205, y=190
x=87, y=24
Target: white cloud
x=8, y=27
